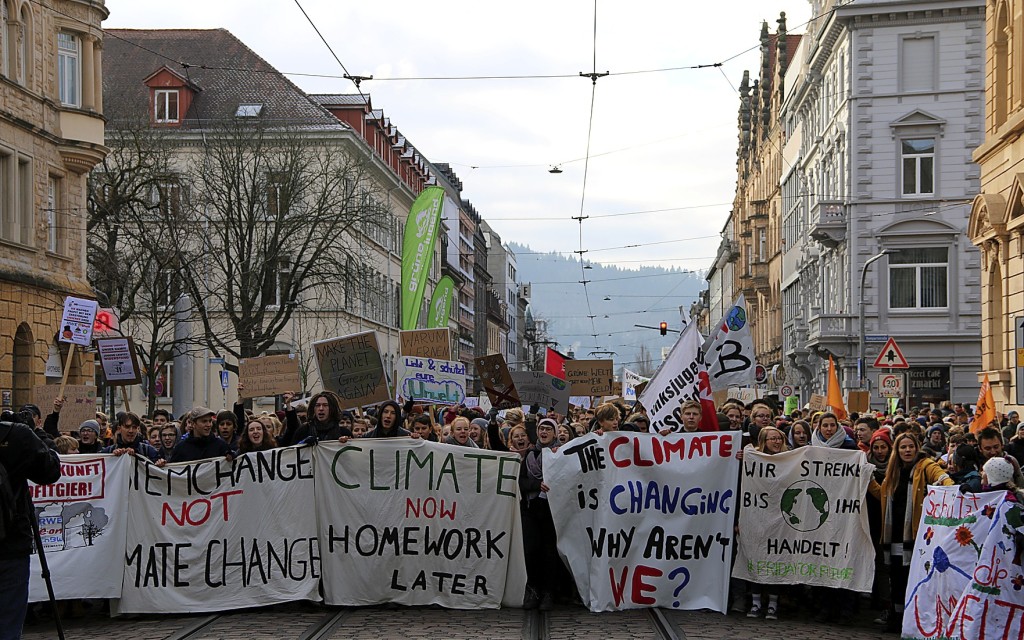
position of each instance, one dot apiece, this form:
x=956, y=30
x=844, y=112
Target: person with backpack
x=23, y=457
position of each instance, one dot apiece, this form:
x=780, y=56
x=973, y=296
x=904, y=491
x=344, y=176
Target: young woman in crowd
x=153, y=435
x=65, y=445
x=831, y=434
x=879, y=450
x=902, y=497
x=255, y=437
x=964, y=467
x=478, y=432
x=799, y=434
x=563, y=434
x=760, y=417
x=771, y=441
x=997, y=475
x=606, y=418
x=460, y=433
x=359, y=427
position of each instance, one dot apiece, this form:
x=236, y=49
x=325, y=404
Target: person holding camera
x=23, y=457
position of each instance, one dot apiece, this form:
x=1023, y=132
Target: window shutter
x=917, y=64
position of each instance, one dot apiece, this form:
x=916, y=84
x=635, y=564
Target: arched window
x=24, y=45
x=1001, y=65
x=4, y=19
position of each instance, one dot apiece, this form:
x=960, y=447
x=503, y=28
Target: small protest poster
x=269, y=375
x=646, y=520
x=417, y=523
x=589, y=377
x=82, y=523
x=497, y=381
x=431, y=381
x=118, y=361
x=351, y=367
x=543, y=389
x=76, y=323
x=803, y=519
x=427, y=343
x=965, y=572
x=218, y=535
x=630, y=380
x=859, y=401
x=79, y=404
x=817, y=402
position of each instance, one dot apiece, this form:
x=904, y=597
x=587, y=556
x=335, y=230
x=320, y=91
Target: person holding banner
x=325, y=423
x=460, y=434
x=389, y=422
x=201, y=443
x=831, y=434
x=255, y=437
x=128, y=439
x=902, y=496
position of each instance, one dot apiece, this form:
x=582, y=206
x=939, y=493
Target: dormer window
x=165, y=106
x=249, y=110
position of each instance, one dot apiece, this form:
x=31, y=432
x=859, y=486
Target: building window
x=918, y=156
x=918, y=278
x=165, y=105
x=917, y=63
x=164, y=387
x=277, y=194
x=24, y=200
x=69, y=68
x=5, y=37
x=54, y=213
x=165, y=197
x=168, y=288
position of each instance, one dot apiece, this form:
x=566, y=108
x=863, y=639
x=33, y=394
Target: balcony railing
x=827, y=327
x=828, y=222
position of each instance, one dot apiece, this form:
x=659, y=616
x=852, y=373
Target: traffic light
x=663, y=328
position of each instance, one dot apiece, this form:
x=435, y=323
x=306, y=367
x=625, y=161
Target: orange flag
x=834, y=395
x=985, y=412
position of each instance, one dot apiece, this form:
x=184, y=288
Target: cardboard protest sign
x=817, y=402
x=79, y=404
x=76, y=323
x=269, y=375
x=430, y=380
x=427, y=343
x=543, y=389
x=82, y=523
x=217, y=535
x=497, y=381
x=351, y=367
x=589, y=377
x=118, y=361
x=646, y=521
x=417, y=523
x=859, y=401
x=804, y=520
x=965, y=573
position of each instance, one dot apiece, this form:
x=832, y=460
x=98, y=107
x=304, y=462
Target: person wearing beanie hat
x=902, y=495
x=478, y=431
x=879, y=450
x=89, y=437
x=935, y=442
x=997, y=474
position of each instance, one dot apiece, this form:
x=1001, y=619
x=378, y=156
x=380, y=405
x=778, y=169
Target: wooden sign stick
x=67, y=369
x=124, y=398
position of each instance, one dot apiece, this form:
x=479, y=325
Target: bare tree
x=645, y=362
x=276, y=220
x=133, y=242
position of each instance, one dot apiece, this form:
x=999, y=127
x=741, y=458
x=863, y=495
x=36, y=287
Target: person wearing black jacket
x=324, y=422
x=128, y=439
x=389, y=421
x=201, y=443
x=25, y=457
x=89, y=437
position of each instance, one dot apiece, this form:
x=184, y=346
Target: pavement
x=306, y=621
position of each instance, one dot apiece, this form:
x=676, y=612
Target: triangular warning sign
x=890, y=357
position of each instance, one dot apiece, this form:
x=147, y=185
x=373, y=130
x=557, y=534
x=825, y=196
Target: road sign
x=890, y=385
x=876, y=338
x=890, y=357
x=760, y=374
x=224, y=379
x=785, y=390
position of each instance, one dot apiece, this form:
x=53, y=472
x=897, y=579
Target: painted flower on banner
x=964, y=536
x=1018, y=582
x=928, y=535
x=988, y=511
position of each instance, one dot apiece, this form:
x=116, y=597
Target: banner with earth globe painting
x=803, y=519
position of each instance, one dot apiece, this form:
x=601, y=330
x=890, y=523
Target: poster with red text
x=645, y=520
x=82, y=523
x=217, y=535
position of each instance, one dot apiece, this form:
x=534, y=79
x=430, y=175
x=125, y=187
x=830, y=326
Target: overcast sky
x=661, y=140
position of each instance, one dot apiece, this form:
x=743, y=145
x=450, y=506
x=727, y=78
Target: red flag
x=554, y=364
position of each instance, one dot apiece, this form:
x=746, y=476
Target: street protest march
x=965, y=574
x=417, y=523
x=82, y=524
x=803, y=519
x=646, y=521
x=406, y=521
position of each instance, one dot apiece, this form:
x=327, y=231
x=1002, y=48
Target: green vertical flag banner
x=441, y=303
x=418, y=251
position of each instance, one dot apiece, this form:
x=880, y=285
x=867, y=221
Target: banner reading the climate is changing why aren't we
x=646, y=520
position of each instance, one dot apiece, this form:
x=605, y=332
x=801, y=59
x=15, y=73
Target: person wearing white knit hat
x=997, y=474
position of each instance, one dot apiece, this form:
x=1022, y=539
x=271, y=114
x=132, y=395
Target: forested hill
x=645, y=295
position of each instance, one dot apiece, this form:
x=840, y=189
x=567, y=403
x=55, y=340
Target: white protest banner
x=965, y=574
x=646, y=521
x=803, y=519
x=218, y=535
x=82, y=523
x=417, y=523
x=682, y=376
x=580, y=401
x=537, y=387
x=76, y=323
x=729, y=350
x=429, y=380
x=629, y=381
x=118, y=361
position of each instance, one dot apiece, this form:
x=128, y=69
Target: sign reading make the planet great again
x=646, y=520
x=803, y=519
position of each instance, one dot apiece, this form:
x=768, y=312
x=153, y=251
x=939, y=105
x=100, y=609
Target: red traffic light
x=663, y=328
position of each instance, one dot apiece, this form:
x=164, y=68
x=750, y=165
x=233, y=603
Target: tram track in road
x=259, y=624
x=573, y=622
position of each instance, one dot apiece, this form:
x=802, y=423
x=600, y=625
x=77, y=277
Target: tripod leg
x=44, y=569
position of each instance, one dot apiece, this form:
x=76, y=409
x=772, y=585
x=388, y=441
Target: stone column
x=97, y=60
x=88, y=73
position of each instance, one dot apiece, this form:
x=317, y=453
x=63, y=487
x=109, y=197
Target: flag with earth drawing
x=803, y=519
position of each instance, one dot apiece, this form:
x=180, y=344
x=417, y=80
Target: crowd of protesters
x=908, y=449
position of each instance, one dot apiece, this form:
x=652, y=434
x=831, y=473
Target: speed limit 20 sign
x=890, y=385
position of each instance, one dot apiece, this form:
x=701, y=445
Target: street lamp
x=863, y=277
